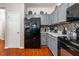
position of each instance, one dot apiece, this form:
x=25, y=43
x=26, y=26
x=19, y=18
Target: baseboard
x=21, y=47
x=43, y=45
x=1, y=39
x=6, y=47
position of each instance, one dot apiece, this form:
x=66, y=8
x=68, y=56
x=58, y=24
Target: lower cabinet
x=52, y=44
x=43, y=39
x=50, y=41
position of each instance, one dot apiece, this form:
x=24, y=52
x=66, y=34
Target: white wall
x=49, y=10
x=15, y=7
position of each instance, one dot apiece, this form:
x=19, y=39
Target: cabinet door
x=56, y=16
x=54, y=45
x=62, y=12
x=43, y=39
x=52, y=18
x=48, y=19
x=50, y=22
x=48, y=40
x=43, y=19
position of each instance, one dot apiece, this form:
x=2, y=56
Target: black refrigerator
x=32, y=33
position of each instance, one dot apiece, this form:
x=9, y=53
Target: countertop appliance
x=73, y=12
x=32, y=33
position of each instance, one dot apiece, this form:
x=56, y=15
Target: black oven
x=68, y=45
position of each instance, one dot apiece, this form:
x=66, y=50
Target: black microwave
x=72, y=13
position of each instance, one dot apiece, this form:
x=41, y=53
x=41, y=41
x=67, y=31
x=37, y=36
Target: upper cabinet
x=62, y=12
x=46, y=19
x=54, y=16
x=59, y=14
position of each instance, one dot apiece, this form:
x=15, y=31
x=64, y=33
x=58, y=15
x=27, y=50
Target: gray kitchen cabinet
x=48, y=40
x=62, y=12
x=52, y=18
x=48, y=19
x=59, y=14
x=43, y=39
x=55, y=15
x=45, y=19
x=52, y=44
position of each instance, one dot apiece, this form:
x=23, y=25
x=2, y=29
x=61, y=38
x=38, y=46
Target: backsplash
x=44, y=28
x=71, y=26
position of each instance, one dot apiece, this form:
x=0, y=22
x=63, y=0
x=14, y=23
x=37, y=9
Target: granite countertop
x=56, y=34
x=59, y=34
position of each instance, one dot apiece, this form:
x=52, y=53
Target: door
x=13, y=30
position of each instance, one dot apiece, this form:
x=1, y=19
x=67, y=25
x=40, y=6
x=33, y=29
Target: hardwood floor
x=43, y=51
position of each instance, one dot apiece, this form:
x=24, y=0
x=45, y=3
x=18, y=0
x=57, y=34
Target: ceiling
x=40, y=4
